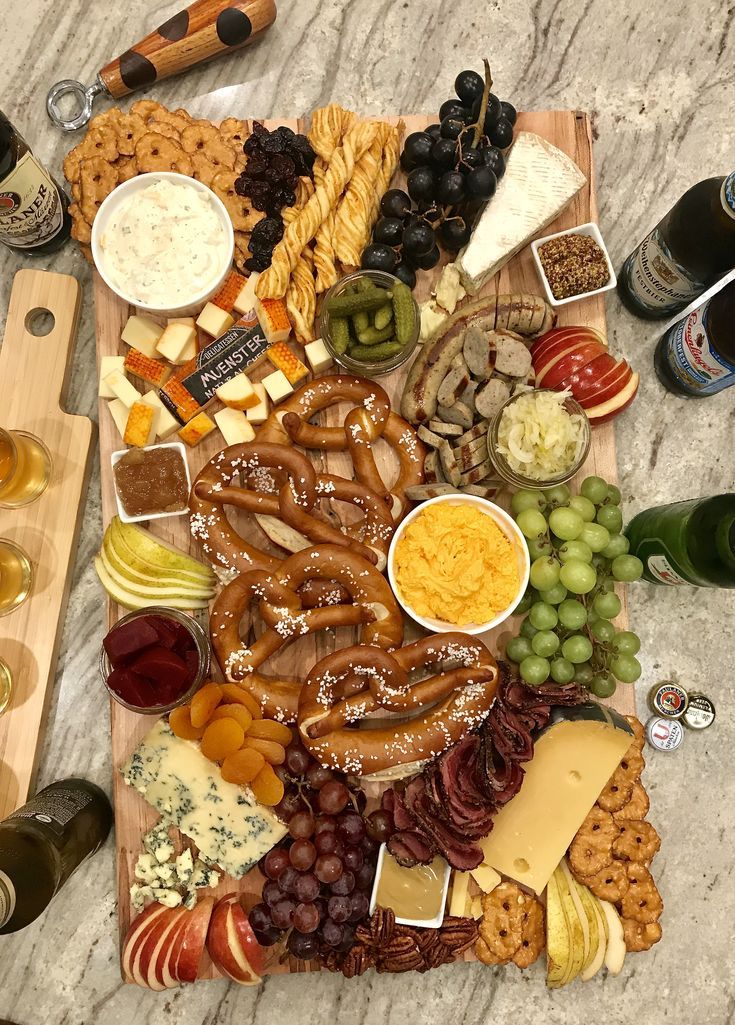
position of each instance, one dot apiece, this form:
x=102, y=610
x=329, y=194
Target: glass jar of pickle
x=25, y=468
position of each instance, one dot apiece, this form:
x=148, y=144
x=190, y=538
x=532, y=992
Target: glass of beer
x=16, y=576
x=25, y=468
x=6, y=684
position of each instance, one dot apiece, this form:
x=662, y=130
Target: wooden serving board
x=568, y=130
x=34, y=370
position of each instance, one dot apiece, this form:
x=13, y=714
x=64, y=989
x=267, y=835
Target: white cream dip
x=165, y=245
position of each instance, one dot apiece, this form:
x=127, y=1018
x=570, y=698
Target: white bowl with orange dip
x=458, y=562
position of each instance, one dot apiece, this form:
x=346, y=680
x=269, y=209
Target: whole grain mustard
x=455, y=563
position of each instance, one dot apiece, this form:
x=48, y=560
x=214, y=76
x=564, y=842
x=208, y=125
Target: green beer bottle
x=687, y=542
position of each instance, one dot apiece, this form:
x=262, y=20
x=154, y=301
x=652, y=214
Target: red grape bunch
x=319, y=878
x=453, y=168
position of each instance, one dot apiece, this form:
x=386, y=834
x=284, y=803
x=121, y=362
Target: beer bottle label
x=7, y=898
x=728, y=195
x=656, y=280
x=691, y=358
x=31, y=211
x=660, y=568
x=54, y=807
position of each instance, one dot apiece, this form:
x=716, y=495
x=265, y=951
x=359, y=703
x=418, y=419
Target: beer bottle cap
x=700, y=712
x=668, y=700
x=664, y=734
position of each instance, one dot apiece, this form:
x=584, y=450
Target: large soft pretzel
x=369, y=419
x=373, y=608
x=276, y=502
x=427, y=716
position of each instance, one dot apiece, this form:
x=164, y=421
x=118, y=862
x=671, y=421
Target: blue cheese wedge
x=225, y=821
x=539, y=182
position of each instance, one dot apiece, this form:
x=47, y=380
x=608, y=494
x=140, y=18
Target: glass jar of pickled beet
x=154, y=659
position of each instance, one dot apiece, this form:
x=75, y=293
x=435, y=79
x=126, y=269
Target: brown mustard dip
x=152, y=481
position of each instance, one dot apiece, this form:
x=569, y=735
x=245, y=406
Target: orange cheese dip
x=455, y=563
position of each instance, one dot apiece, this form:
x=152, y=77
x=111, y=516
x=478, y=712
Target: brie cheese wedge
x=539, y=182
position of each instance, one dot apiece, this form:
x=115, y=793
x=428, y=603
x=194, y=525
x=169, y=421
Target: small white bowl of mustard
x=555, y=254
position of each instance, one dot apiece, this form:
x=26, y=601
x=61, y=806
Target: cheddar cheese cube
x=197, y=429
x=107, y=365
x=214, y=321
x=139, y=425
x=175, y=340
x=318, y=356
x=277, y=386
x=121, y=388
x=235, y=427
x=259, y=414
x=238, y=393
x=166, y=423
x=283, y=359
x=153, y=371
x=142, y=333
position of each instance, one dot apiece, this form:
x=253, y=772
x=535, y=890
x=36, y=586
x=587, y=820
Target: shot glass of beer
x=6, y=685
x=16, y=576
x=25, y=468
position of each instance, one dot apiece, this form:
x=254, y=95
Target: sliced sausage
x=468, y=395
x=429, y=437
x=491, y=397
x=476, y=474
x=453, y=384
x=479, y=351
x=446, y=430
x=459, y=413
x=481, y=490
x=472, y=454
x=479, y=430
x=449, y=463
x=513, y=355
x=432, y=468
x=421, y=492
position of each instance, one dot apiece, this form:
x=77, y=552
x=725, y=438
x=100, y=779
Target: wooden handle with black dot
x=199, y=33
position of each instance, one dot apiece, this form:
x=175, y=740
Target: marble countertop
x=659, y=83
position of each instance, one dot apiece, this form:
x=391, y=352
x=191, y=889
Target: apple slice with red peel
x=607, y=411
x=587, y=390
x=137, y=932
x=157, y=955
x=170, y=955
x=232, y=944
x=584, y=378
x=552, y=353
x=550, y=372
x=564, y=337
x=608, y=388
x=192, y=940
x=143, y=961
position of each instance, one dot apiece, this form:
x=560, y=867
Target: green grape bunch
x=578, y=553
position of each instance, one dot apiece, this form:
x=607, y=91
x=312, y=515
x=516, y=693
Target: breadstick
x=300, y=294
x=391, y=154
x=353, y=218
x=328, y=127
x=272, y=284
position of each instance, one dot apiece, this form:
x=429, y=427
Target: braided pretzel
x=373, y=608
x=369, y=419
x=350, y=684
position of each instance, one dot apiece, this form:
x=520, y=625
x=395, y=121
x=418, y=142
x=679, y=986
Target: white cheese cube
x=174, y=340
x=165, y=423
x=238, y=392
x=121, y=388
x=189, y=321
x=214, y=321
x=277, y=386
x=235, y=427
x=246, y=299
x=119, y=413
x=318, y=356
x=142, y=333
x=107, y=365
x=259, y=414
x=460, y=895
x=485, y=877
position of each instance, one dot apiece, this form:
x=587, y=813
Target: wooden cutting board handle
x=202, y=31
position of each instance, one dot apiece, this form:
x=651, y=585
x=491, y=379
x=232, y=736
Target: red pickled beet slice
x=134, y=689
x=191, y=657
x=129, y=639
x=163, y=667
x=166, y=629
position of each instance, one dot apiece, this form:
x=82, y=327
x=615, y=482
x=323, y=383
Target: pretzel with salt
x=373, y=608
x=426, y=717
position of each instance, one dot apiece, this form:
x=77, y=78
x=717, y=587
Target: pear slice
x=580, y=909
x=154, y=588
x=128, y=600
x=172, y=579
x=615, y=952
x=574, y=927
x=598, y=959
x=147, y=553
x=558, y=948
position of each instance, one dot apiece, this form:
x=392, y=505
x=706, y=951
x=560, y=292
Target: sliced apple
x=574, y=927
x=613, y=407
x=564, y=337
x=156, y=551
x=615, y=952
x=192, y=941
x=598, y=959
x=558, y=946
x=555, y=368
x=130, y=600
x=136, y=935
x=154, y=953
x=232, y=944
x=166, y=967
x=607, y=387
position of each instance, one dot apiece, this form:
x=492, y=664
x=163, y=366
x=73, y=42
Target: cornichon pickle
x=373, y=336
x=340, y=332
x=375, y=353
x=361, y=321
x=383, y=316
x=347, y=305
x=404, y=312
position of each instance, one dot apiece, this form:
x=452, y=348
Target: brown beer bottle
x=43, y=842
x=34, y=209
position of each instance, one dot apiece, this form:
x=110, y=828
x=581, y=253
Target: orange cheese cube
x=273, y=317
x=151, y=370
x=238, y=393
x=283, y=359
x=229, y=292
x=139, y=425
x=197, y=428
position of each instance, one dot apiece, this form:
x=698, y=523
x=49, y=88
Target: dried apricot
x=269, y=729
x=267, y=787
x=242, y=766
x=273, y=753
x=222, y=738
x=180, y=722
x=204, y=703
x=237, y=712
x=233, y=692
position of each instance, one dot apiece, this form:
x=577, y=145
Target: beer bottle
x=687, y=542
x=43, y=842
x=34, y=209
x=696, y=357
x=687, y=251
